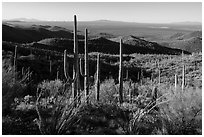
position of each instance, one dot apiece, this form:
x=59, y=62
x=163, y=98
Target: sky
x=147, y=12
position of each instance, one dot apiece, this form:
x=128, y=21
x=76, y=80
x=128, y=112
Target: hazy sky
x=131, y=12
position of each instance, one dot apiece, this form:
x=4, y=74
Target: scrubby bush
x=57, y=110
x=11, y=87
x=108, y=92
x=183, y=112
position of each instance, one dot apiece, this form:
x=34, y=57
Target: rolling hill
x=191, y=42
x=34, y=33
x=100, y=44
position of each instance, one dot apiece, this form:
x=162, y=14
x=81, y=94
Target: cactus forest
x=94, y=85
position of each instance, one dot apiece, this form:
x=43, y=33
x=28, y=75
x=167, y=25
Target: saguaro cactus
x=141, y=76
x=50, y=66
x=86, y=66
x=120, y=77
x=159, y=71
x=97, y=83
x=75, y=79
x=22, y=71
x=183, y=72
x=75, y=84
x=15, y=62
x=176, y=81
x=138, y=75
x=183, y=78
x=57, y=73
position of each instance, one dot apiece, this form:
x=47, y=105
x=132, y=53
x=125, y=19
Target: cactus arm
x=66, y=67
x=126, y=78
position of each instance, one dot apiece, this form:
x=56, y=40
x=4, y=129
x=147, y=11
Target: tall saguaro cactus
x=141, y=76
x=86, y=66
x=120, y=77
x=97, y=83
x=75, y=84
x=75, y=79
x=176, y=81
x=183, y=77
x=50, y=66
x=159, y=71
x=183, y=72
x=15, y=62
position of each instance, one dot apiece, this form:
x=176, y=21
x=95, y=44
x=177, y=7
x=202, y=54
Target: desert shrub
x=11, y=88
x=183, y=112
x=107, y=94
x=57, y=110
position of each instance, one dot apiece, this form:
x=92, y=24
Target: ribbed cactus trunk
x=66, y=67
x=86, y=66
x=15, y=63
x=57, y=73
x=22, y=71
x=183, y=72
x=120, y=77
x=159, y=77
x=176, y=81
x=127, y=75
x=50, y=67
x=154, y=98
x=75, y=84
x=97, y=84
x=138, y=76
x=183, y=78
x=141, y=77
x=86, y=77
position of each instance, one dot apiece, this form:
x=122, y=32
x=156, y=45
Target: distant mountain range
x=104, y=36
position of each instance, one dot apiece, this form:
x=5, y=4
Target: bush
x=11, y=88
x=183, y=112
x=107, y=94
x=57, y=110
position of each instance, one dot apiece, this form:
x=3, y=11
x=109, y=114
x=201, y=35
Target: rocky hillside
x=191, y=42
